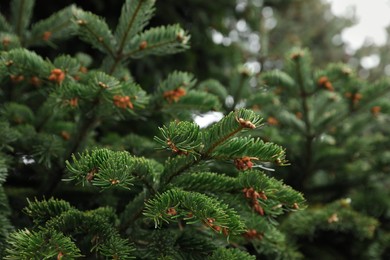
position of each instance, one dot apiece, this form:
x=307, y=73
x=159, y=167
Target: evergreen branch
x=102, y=87
x=5, y=213
x=246, y=146
x=67, y=64
x=213, y=137
x=3, y=173
x=4, y=25
x=94, y=30
x=176, y=80
x=21, y=12
x=158, y=41
x=230, y=254
x=23, y=62
x=195, y=245
x=135, y=15
x=5, y=228
x=42, y=244
x=117, y=248
x=277, y=78
x=275, y=197
x=74, y=221
x=337, y=216
x=56, y=27
x=371, y=94
x=227, y=127
x=177, y=165
x=193, y=207
x=307, y=148
x=97, y=229
x=105, y=169
x=239, y=88
x=304, y=101
x=275, y=245
x=214, y=87
x=180, y=137
x=42, y=211
x=195, y=101
x=7, y=136
x=10, y=41
x=46, y=147
x=132, y=211
x=102, y=168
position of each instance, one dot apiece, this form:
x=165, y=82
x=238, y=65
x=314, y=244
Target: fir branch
x=42, y=211
x=195, y=245
x=371, y=94
x=67, y=64
x=307, y=148
x=102, y=168
x=133, y=211
x=194, y=101
x=174, y=166
x=246, y=146
x=7, y=136
x=95, y=31
x=214, y=87
x=42, y=244
x=106, y=169
x=162, y=40
x=5, y=212
x=9, y=41
x=4, y=25
x=101, y=89
x=337, y=217
x=46, y=147
x=193, y=207
x=97, y=228
x=227, y=127
x=180, y=137
x=243, y=76
x=212, y=137
x=275, y=191
x=277, y=78
x=177, y=79
x=3, y=172
x=59, y=26
x=23, y=62
x=135, y=15
x=230, y=254
x=17, y=113
x=5, y=228
x=21, y=12
x=117, y=248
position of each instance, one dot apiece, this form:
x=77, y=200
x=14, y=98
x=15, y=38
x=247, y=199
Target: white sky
x=373, y=15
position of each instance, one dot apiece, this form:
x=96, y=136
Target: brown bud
x=272, y=121
x=245, y=123
x=143, y=45
x=6, y=41
x=16, y=78
x=172, y=211
x=65, y=135
x=35, y=81
x=375, y=110
x=46, y=35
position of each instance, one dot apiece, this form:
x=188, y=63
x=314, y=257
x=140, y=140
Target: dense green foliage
x=100, y=157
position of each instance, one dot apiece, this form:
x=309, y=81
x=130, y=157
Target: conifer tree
x=77, y=148
x=333, y=125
